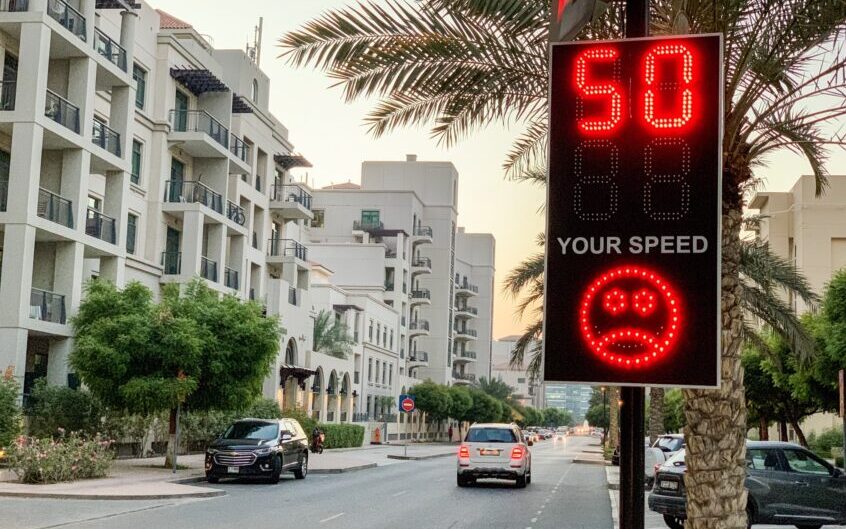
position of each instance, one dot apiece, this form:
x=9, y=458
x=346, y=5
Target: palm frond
x=774, y=274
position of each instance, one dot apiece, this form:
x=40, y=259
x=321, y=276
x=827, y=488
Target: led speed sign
x=633, y=234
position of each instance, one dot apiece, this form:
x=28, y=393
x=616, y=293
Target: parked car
x=787, y=485
x=258, y=448
x=494, y=450
x=669, y=443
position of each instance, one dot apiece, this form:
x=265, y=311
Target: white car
x=494, y=450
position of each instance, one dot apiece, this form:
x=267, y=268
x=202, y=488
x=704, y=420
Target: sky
x=331, y=135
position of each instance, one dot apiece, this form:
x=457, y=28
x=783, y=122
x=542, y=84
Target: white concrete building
x=525, y=392
x=810, y=232
x=132, y=150
x=398, y=231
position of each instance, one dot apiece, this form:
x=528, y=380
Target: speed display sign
x=634, y=198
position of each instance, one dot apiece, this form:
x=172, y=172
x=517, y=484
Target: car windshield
x=252, y=430
x=676, y=460
x=669, y=444
x=490, y=435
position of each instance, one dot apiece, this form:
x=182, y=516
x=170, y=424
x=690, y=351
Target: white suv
x=494, y=450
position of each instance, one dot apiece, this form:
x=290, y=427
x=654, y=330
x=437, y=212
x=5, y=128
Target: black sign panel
x=633, y=234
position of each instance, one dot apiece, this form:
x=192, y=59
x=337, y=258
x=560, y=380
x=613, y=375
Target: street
x=413, y=495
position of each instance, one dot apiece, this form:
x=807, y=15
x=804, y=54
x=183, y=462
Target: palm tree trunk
x=716, y=419
x=613, y=419
x=656, y=413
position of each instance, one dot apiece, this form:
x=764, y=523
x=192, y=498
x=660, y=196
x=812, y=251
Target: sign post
x=633, y=230
x=407, y=405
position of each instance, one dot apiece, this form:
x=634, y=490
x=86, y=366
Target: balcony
x=55, y=208
x=293, y=201
x=422, y=234
x=235, y=213
x=465, y=356
x=100, y=226
x=466, y=289
x=68, y=17
x=466, y=312
x=208, y=269
x=287, y=248
x=418, y=328
x=8, y=91
x=465, y=334
x=47, y=306
x=464, y=378
x=230, y=278
x=106, y=138
x=369, y=226
x=13, y=6
x=109, y=49
x=420, y=358
x=172, y=263
x=199, y=134
x=421, y=297
x=190, y=191
x=421, y=265
x=62, y=111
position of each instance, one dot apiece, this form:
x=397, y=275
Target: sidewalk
x=135, y=479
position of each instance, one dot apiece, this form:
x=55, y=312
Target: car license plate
x=488, y=452
x=232, y=470
x=669, y=485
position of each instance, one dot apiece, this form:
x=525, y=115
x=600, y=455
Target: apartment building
x=810, y=232
x=133, y=150
x=526, y=391
x=398, y=231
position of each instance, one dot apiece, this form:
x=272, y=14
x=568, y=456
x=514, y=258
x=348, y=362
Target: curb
x=581, y=461
x=341, y=470
x=59, y=496
x=419, y=458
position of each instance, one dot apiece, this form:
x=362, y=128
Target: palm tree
x=464, y=64
x=331, y=336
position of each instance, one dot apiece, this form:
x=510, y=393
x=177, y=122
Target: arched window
x=291, y=353
x=255, y=91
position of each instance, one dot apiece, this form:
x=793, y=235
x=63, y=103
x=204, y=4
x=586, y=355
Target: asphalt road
x=412, y=495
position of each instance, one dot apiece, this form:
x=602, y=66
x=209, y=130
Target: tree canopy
x=331, y=336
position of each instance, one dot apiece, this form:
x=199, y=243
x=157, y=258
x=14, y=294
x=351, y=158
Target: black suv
x=258, y=448
x=787, y=485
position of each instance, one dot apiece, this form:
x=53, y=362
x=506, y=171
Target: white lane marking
x=539, y=512
x=400, y=493
x=332, y=518
x=533, y=520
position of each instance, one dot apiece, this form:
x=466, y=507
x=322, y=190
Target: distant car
x=258, y=448
x=786, y=484
x=494, y=450
x=669, y=443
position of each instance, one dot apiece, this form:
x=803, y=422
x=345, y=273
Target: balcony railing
x=287, y=248
x=389, y=285
x=109, y=49
x=172, y=263
x=235, y=213
x=418, y=356
x=466, y=332
x=468, y=286
x=469, y=377
x=100, y=226
x=14, y=5
x=293, y=298
x=289, y=193
x=368, y=226
x=47, y=306
x=423, y=231
x=470, y=355
x=106, y=138
x=230, y=278
x=67, y=16
x=8, y=91
x=208, y=269
x=418, y=325
x=422, y=293
x=55, y=208
x=390, y=253
x=240, y=149
x=190, y=191
x=470, y=310
x=199, y=121
x=4, y=194
x=422, y=262
x=62, y=111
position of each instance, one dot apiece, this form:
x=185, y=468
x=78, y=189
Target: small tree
x=432, y=399
x=460, y=403
x=10, y=412
x=57, y=408
x=674, y=419
x=496, y=388
x=485, y=408
x=331, y=336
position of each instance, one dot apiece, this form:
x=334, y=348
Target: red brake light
x=517, y=452
x=464, y=452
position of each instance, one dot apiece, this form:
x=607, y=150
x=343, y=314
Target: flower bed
x=68, y=458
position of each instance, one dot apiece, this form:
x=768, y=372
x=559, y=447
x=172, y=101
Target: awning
x=198, y=81
x=302, y=374
x=240, y=105
x=289, y=161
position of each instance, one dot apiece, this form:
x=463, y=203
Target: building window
x=131, y=229
x=521, y=380
x=385, y=337
x=140, y=76
x=370, y=370
x=255, y=92
x=377, y=371
x=317, y=221
x=384, y=370
x=391, y=375
x=370, y=332
x=378, y=332
x=370, y=217
x=137, y=147
x=392, y=339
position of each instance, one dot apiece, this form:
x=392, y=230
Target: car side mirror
x=286, y=437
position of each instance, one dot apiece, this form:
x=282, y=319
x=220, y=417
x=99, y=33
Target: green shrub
x=823, y=443
x=264, y=409
x=67, y=458
x=342, y=435
x=10, y=413
x=303, y=418
x=57, y=408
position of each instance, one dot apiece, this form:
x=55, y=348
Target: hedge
x=342, y=435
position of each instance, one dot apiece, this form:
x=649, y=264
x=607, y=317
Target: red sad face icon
x=631, y=317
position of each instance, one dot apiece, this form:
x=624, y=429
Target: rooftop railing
x=200, y=121
x=54, y=208
x=191, y=191
x=100, y=226
x=291, y=193
x=47, y=306
x=106, y=138
x=287, y=248
x=67, y=16
x=110, y=49
x=62, y=111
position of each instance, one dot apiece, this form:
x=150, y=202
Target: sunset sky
x=331, y=135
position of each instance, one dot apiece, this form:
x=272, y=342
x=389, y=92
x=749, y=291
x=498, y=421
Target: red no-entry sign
x=406, y=403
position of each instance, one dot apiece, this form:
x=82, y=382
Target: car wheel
x=212, y=479
x=302, y=471
x=673, y=522
x=750, y=515
x=529, y=477
x=462, y=481
x=808, y=526
x=521, y=482
x=276, y=473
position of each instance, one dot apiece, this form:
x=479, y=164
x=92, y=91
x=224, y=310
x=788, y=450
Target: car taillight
x=517, y=452
x=464, y=452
